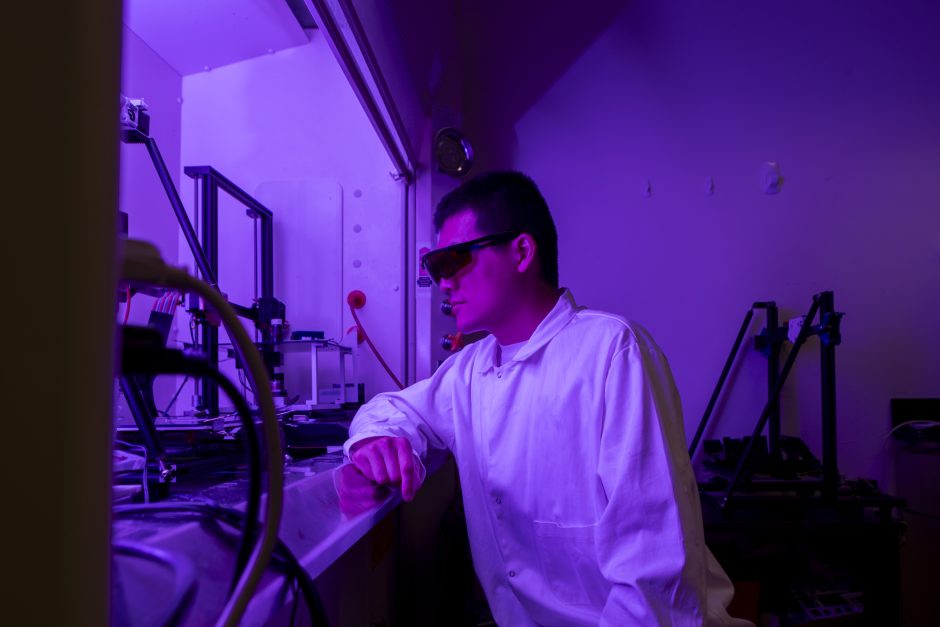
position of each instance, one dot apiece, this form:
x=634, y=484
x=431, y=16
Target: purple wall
x=843, y=96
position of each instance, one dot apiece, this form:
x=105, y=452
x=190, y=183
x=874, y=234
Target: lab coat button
x=512, y=573
x=499, y=501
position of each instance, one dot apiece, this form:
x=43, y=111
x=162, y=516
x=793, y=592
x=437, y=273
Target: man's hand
x=357, y=493
x=387, y=461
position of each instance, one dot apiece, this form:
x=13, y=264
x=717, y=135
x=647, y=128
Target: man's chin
x=468, y=326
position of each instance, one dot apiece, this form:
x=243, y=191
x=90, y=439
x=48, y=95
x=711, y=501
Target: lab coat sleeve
x=422, y=413
x=649, y=539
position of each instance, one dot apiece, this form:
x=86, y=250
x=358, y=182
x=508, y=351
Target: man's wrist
x=358, y=444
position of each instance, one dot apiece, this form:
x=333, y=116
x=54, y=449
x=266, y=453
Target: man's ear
x=524, y=249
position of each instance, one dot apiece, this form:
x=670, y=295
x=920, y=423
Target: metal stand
x=773, y=375
x=267, y=308
x=771, y=340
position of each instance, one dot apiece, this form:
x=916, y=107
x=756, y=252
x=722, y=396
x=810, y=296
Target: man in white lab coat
x=567, y=430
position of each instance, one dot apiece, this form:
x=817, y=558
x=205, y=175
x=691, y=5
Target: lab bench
x=353, y=560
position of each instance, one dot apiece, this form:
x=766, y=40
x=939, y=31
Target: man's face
x=480, y=294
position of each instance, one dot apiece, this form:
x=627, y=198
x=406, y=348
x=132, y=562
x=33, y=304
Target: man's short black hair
x=506, y=201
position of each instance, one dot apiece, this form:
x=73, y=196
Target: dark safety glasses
x=445, y=263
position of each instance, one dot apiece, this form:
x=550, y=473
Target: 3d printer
x=203, y=439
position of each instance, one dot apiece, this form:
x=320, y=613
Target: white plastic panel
x=307, y=265
x=194, y=35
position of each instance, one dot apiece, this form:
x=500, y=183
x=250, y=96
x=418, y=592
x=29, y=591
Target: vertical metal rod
x=773, y=373
x=342, y=377
x=210, y=244
x=765, y=414
x=254, y=241
x=193, y=299
x=267, y=255
x=196, y=208
x=721, y=381
x=315, y=372
x=827, y=369
x=407, y=292
x=254, y=224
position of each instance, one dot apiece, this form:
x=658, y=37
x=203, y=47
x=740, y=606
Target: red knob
x=356, y=299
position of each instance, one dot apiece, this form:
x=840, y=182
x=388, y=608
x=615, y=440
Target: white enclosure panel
x=291, y=116
x=308, y=219
x=372, y=262
x=207, y=34
x=308, y=232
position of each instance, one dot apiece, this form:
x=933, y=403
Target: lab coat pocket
x=569, y=563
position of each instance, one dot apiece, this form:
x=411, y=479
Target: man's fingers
x=352, y=478
x=406, y=463
x=390, y=456
x=357, y=493
x=388, y=460
x=371, y=492
x=377, y=463
x=371, y=461
x=355, y=484
x=361, y=461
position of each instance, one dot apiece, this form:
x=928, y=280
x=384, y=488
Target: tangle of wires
x=145, y=360
x=253, y=507
x=127, y=303
x=167, y=303
x=141, y=263
x=236, y=519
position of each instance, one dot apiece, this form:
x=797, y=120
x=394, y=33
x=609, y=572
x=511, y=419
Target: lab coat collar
x=560, y=315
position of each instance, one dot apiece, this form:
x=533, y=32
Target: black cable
x=253, y=506
x=184, y=580
x=293, y=607
x=192, y=331
x=237, y=519
x=922, y=514
x=166, y=412
x=314, y=606
x=166, y=361
x=144, y=267
x=244, y=382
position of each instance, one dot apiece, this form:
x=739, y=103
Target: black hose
x=253, y=506
x=143, y=358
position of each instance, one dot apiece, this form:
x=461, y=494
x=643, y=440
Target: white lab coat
x=581, y=504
